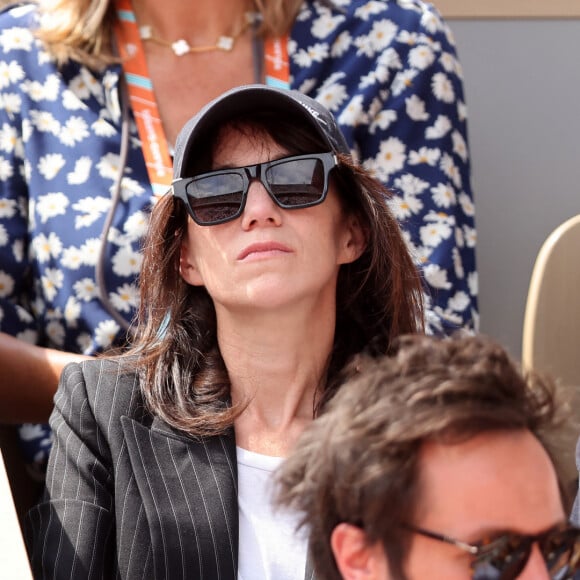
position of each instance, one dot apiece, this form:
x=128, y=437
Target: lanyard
x=142, y=98
x=143, y=103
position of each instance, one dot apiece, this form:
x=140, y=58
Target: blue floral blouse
x=387, y=69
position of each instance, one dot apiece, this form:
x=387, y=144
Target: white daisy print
x=106, y=332
x=450, y=169
x=51, y=205
x=55, y=332
x=325, y=25
x=459, y=145
x=7, y=208
x=71, y=102
x=6, y=284
x=81, y=171
x=439, y=129
x=444, y=195
x=415, y=107
x=442, y=88
x=72, y=311
x=459, y=301
x=75, y=130
x=391, y=157
x=126, y=262
x=90, y=251
x=103, y=128
x=50, y=165
x=332, y=96
x=470, y=236
x=72, y=258
x=6, y=171
x=369, y=9
x=383, y=120
x=16, y=39
x=85, y=289
x=406, y=206
x=8, y=138
x=424, y=155
x=403, y=81
x=353, y=113
x=421, y=57
x=341, y=44
x=10, y=73
x=46, y=247
x=125, y=298
x=45, y=122
x=436, y=277
x=136, y=225
x=51, y=282
x=11, y=103
x=108, y=166
x=432, y=234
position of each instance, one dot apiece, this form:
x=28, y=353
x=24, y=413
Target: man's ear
x=355, y=240
x=187, y=267
x=355, y=558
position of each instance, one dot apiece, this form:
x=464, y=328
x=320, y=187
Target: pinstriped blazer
x=127, y=496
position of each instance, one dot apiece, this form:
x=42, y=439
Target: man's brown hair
x=359, y=461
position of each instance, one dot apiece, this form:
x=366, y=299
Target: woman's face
x=269, y=256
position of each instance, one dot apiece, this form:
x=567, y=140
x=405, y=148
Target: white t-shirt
x=270, y=547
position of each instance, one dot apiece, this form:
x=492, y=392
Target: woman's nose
x=260, y=207
x=536, y=568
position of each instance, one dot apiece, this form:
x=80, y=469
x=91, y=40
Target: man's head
x=445, y=438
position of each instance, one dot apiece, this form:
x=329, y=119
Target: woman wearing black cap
x=274, y=262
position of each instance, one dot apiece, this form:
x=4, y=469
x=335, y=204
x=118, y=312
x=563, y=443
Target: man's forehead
x=488, y=483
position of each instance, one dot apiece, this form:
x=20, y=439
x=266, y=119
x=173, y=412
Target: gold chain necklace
x=181, y=46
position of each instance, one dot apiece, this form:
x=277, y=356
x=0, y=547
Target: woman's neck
x=275, y=364
x=202, y=23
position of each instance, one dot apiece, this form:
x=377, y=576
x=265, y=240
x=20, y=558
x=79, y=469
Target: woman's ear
x=187, y=267
x=355, y=558
x=354, y=240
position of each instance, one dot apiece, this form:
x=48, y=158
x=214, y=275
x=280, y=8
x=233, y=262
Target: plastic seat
x=551, y=333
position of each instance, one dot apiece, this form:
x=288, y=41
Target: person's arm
x=29, y=379
x=423, y=138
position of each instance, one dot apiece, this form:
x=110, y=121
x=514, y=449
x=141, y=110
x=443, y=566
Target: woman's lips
x=263, y=248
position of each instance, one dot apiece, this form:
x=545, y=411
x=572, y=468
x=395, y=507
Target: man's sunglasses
x=293, y=182
x=504, y=557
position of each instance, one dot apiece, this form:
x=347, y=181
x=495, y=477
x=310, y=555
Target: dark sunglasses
x=293, y=182
x=504, y=557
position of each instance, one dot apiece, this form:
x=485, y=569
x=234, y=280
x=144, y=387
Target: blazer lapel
x=189, y=492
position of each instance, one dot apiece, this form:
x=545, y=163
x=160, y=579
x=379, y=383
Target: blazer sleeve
x=71, y=533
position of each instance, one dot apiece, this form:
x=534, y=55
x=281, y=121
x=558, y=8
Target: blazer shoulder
x=109, y=386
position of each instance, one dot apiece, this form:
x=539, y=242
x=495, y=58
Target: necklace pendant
x=225, y=43
x=180, y=47
x=145, y=32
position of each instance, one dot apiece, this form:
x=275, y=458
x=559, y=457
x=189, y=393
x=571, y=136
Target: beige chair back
x=551, y=333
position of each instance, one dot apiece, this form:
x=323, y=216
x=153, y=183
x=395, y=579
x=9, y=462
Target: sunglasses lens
x=506, y=557
x=297, y=182
x=507, y=567
x=216, y=198
x=561, y=552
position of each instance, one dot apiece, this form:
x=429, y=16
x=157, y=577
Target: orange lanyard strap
x=277, y=64
x=142, y=98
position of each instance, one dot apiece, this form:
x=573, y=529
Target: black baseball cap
x=250, y=98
